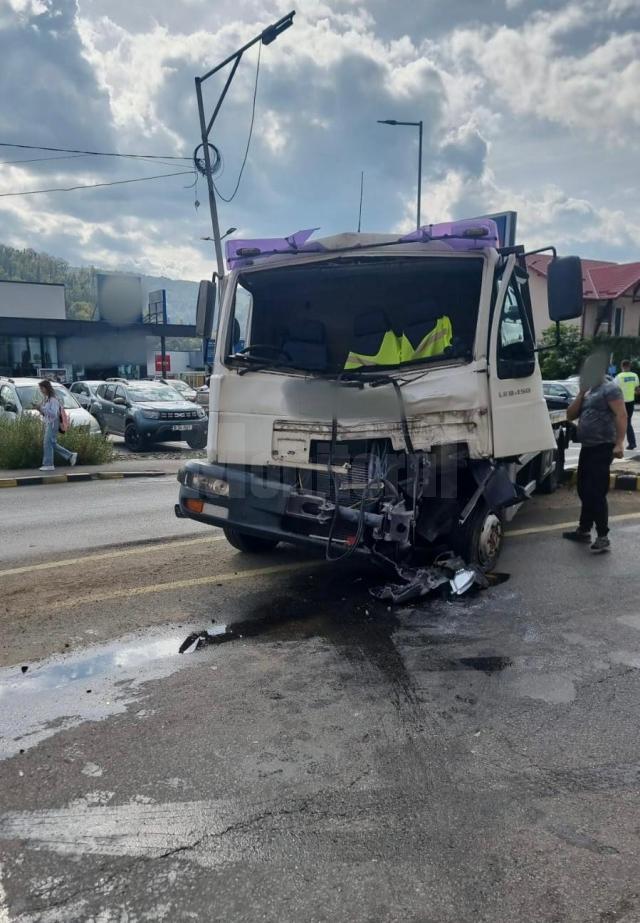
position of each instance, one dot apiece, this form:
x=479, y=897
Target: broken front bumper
x=255, y=504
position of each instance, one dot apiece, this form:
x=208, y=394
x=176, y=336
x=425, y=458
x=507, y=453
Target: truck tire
x=249, y=544
x=197, y=441
x=479, y=540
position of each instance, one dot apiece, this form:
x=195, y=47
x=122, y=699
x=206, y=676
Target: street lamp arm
x=224, y=93
x=268, y=35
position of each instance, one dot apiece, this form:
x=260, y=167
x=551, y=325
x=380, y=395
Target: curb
x=76, y=477
x=616, y=481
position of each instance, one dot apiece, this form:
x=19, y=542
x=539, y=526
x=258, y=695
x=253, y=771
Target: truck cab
x=377, y=394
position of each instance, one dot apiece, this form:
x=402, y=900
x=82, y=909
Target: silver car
x=85, y=392
x=22, y=395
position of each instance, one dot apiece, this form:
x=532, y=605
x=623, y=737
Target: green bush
x=21, y=444
x=566, y=359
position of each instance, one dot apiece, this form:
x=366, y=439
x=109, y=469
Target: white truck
x=377, y=394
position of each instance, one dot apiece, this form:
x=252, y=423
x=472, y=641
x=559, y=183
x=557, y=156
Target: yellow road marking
x=181, y=584
x=567, y=525
x=124, y=552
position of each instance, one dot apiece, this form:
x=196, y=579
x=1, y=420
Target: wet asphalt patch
x=103, y=680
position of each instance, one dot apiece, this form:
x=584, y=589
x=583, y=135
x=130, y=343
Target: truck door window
x=241, y=325
x=516, y=356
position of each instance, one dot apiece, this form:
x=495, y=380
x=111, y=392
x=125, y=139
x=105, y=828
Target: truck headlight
x=209, y=485
x=151, y=414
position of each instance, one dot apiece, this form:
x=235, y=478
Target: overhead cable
x=119, y=182
x=68, y=150
x=246, y=153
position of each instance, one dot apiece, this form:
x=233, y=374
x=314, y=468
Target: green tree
x=80, y=310
x=565, y=359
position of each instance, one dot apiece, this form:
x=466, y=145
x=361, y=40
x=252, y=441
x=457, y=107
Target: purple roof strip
x=268, y=246
x=456, y=234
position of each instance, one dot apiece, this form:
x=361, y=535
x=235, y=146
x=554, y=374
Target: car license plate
x=182, y=426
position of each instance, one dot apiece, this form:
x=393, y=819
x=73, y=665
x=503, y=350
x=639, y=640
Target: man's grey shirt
x=597, y=423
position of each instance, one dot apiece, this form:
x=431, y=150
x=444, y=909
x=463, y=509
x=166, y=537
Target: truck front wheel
x=479, y=540
x=250, y=544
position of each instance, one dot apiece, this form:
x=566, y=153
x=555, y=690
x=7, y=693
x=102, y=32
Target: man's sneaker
x=73, y=459
x=47, y=468
x=601, y=545
x=632, y=448
x=577, y=535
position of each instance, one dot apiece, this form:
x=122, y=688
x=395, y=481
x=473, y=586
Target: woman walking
x=50, y=409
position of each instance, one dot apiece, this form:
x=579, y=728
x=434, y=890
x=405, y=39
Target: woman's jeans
x=593, y=484
x=50, y=446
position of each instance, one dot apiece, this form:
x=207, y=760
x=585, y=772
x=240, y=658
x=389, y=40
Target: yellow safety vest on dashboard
x=388, y=354
x=628, y=382
x=433, y=344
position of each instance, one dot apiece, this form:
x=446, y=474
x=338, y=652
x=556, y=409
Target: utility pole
x=267, y=36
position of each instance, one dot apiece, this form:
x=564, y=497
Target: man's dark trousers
x=593, y=485
x=631, y=436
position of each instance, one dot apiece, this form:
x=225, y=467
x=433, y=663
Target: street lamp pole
x=419, y=126
x=268, y=35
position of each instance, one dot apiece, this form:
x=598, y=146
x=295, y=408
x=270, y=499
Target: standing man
x=628, y=382
x=602, y=423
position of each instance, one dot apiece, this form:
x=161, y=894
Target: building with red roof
x=611, y=294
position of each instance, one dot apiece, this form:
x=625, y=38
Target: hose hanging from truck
x=351, y=548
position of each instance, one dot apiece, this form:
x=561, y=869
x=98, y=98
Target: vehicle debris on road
x=449, y=574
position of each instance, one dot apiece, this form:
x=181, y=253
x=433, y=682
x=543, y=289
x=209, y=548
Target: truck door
x=520, y=418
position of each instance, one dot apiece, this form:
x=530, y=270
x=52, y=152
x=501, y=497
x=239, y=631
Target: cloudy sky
x=531, y=106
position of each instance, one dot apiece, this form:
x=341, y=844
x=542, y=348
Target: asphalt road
x=333, y=760
x=74, y=517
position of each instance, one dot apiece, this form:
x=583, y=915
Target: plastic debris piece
x=24, y=669
x=448, y=571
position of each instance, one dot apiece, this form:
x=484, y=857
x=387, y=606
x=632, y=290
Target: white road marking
x=181, y=584
x=566, y=525
x=124, y=552
x=4, y=911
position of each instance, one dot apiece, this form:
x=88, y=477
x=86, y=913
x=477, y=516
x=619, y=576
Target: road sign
x=167, y=363
x=207, y=351
x=157, y=313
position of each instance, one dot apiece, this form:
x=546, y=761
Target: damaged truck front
x=376, y=394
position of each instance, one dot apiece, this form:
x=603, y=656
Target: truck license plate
x=181, y=427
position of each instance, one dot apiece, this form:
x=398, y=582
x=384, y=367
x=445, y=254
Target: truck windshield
x=356, y=313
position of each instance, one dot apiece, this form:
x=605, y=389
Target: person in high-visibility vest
x=432, y=343
x=628, y=383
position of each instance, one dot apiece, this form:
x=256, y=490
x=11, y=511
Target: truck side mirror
x=205, y=308
x=564, y=288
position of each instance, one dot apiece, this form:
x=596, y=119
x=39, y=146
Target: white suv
x=22, y=395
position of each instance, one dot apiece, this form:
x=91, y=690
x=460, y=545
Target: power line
x=119, y=182
x=246, y=153
x=42, y=159
x=69, y=150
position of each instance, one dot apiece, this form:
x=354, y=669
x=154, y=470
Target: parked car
x=85, y=392
x=145, y=412
x=22, y=395
x=202, y=397
x=560, y=394
x=183, y=388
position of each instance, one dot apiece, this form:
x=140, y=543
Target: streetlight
x=226, y=234
x=417, y=125
x=267, y=36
